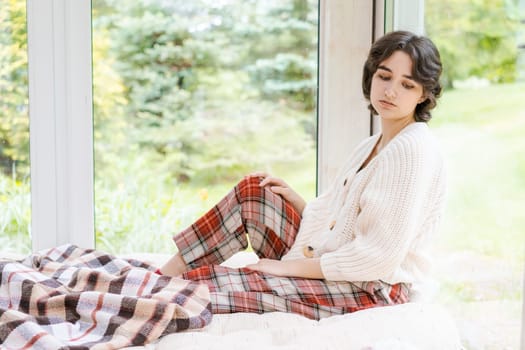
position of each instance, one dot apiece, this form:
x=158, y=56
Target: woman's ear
x=422, y=99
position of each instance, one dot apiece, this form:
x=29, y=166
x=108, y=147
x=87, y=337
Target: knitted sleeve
x=391, y=212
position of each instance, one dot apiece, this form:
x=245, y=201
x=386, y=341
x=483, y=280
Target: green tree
x=184, y=65
x=14, y=120
x=284, y=36
x=475, y=38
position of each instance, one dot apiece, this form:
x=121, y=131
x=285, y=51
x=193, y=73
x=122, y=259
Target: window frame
x=61, y=127
x=343, y=118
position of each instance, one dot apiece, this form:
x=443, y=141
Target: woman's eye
x=383, y=77
x=408, y=86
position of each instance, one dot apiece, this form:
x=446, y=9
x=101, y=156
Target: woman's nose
x=390, y=93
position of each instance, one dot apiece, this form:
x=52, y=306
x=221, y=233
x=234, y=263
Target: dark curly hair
x=426, y=67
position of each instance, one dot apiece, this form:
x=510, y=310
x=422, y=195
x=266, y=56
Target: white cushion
x=402, y=327
x=416, y=325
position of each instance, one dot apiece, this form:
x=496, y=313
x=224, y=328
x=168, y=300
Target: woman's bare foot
x=174, y=267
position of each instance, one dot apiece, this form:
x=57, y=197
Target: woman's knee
x=249, y=187
x=250, y=180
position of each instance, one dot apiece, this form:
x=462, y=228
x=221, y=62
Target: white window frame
x=346, y=30
x=408, y=15
x=60, y=115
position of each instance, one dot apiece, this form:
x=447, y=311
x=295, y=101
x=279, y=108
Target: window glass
x=480, y=121
x=15, y=199
x=189, y=96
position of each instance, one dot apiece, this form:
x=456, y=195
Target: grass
x=481, y=246
x=482, y=135
x=15, y=220
x=483, y=107
x=142, y=216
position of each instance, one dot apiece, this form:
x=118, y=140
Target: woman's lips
x=386, y=104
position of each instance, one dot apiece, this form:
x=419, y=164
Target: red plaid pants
x=271, y=224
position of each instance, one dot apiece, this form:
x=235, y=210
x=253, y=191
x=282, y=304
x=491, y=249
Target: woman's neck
x=389, y=130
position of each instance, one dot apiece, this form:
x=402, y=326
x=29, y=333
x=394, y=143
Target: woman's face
x=394, y=94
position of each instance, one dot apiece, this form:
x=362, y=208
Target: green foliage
x=158, y=64
x=287, y=76
x=285, y=67
x=15, y=206
x=14, y=121
x=187, y=74
x=475, y=38
x=260, y=134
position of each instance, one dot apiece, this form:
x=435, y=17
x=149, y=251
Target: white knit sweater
x=375, y=224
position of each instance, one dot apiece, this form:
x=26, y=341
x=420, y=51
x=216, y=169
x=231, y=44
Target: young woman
x=360, y=244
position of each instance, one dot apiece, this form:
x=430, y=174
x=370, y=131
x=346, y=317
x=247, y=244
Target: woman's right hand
x=278, y=186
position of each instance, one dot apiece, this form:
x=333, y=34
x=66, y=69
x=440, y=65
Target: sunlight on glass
x=481, y=122
x=15, y=203
x=190, y=96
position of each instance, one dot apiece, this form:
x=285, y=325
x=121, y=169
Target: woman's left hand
x=278, y=186
x=305, y=268
x=270, y=266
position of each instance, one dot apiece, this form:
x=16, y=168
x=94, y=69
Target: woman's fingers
x=274, y=267
x=262, y=177
x=274, y=181
x=279, y=190
x=266, y=179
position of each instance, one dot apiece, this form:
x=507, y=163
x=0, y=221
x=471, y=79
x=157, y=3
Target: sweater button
x=346, y=181
x=308, y=251
x=332, y=224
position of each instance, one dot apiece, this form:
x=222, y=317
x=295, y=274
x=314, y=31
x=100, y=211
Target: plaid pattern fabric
x=272, y=224
x=71, y=298
x=244, y=290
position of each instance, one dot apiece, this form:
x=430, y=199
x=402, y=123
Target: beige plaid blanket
x=73, y=298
